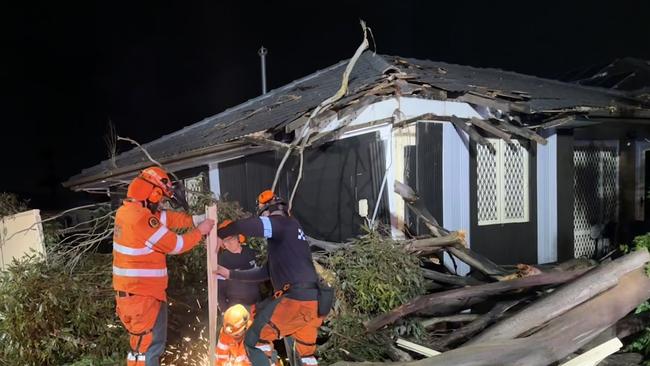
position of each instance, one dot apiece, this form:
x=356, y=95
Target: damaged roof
x=373, y=76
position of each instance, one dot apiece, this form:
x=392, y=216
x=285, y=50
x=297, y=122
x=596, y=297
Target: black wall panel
x=335, y=177
x=429, y=168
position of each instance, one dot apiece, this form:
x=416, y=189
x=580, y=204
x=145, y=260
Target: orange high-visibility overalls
x=140, y=242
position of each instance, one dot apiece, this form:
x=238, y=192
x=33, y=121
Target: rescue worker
x=237, y=297
x=294, y=310
x=235, y=254
x=230, y=349
x=141, y=239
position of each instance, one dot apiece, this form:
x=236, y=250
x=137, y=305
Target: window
x=194, y=185
x=502, y=183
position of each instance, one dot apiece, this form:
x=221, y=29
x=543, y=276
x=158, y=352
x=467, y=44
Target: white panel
x=488, y=184
x=402, y=137
x=547, y=201
x=455, y=183
x=20, y=234
x=502, y=183
x=514, y=182
x=215, y=185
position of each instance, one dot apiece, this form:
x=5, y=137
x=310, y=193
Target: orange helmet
x=152, y=184
x=269, y=201
x=226, y=222
x=236, y=320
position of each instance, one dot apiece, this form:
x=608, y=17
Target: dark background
x=67, y=68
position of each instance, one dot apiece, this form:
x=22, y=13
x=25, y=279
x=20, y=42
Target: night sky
x=68, y=68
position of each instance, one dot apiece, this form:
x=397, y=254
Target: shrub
x=51, y=317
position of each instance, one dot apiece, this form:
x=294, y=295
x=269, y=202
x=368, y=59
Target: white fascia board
x=407, y=107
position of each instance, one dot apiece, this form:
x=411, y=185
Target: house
x=533, y=170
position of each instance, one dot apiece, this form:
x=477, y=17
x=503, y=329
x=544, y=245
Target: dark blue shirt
x=289, y=255
x=234, y=291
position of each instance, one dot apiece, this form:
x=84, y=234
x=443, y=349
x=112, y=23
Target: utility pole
x=262, y=52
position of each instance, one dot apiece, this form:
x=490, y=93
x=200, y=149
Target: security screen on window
x=502, y=183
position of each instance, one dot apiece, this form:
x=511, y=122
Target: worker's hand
x=205, y=226
x=222, y=271
x=197, y=219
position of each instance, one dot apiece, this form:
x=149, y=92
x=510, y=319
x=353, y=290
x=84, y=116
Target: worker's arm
x=257, y=274
x=176, y=220
x=260, y=227
x=160, y=238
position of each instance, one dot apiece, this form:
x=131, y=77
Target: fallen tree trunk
x=412, y=200
x=460, y=335
x=472, y=259
x=477, y=261
x=622, y=359
x=451, y=306
x=443, y=298
x=458, y=318
x=327, y=246
x=561, y=337
x=561, y=300
x=433, y=245
x=632, y=325
x=450, y=279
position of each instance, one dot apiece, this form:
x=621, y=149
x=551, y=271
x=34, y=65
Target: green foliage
x=98, y=361
x=51, y=317
x=10, y=204
x=642, y=343
x=374, y=275
x=347, y=336
x=642, y=241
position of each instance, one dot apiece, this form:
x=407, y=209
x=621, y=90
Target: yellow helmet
x=236, y=320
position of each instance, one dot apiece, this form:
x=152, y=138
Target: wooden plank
x=212, y=261
x=424, y=351
x=494, y=103
x=523, y=132
x=595, y=355
x=472, y=133
x=557, y=122
x=487, y=126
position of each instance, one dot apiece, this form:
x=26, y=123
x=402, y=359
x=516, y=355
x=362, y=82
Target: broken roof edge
x=379, y=64
x=382, y=64
x=174, y=163
x=628, y=96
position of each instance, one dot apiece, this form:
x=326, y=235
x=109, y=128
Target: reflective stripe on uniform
x=127, y=272
x=163, y=217
x=153, y=239
x=136, y=357
x=223, y=356
x=309, y=361
x=179, y=245
x=241, y=358
x=222, y=346
x=268, y=229
x=131, y=251
x=264, y=347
